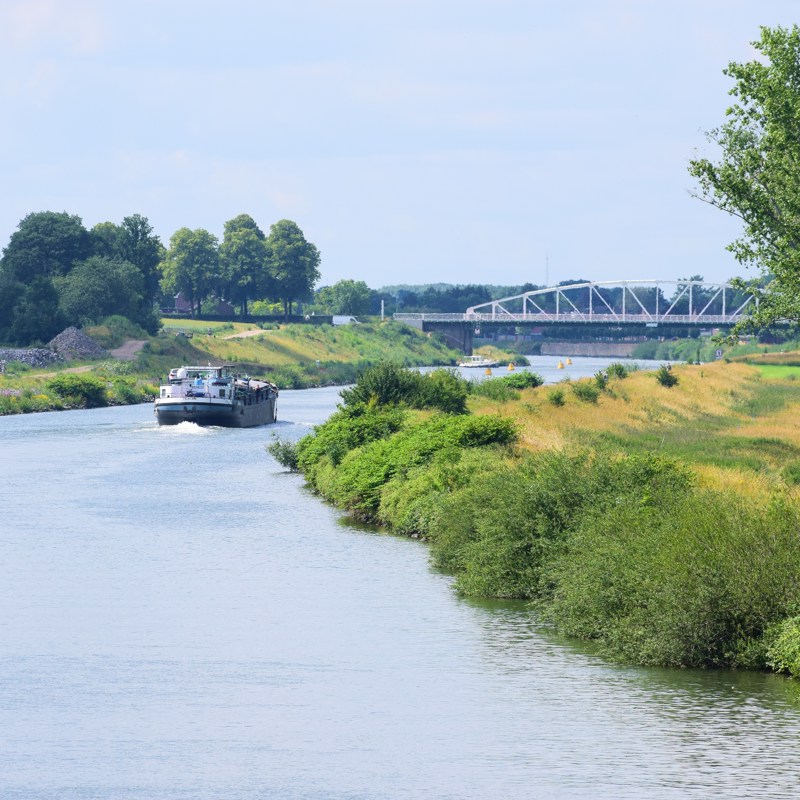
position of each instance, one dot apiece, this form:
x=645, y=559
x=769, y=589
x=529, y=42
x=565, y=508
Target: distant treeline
x=54, y=272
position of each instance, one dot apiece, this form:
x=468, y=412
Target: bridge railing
x=573, y=317
x=608, y=302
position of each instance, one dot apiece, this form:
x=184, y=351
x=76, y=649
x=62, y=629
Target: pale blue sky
x=478, y=141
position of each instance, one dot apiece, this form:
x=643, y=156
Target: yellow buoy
x=511, y=366
x=569, y=361
x=560, y=365
x=488, y=371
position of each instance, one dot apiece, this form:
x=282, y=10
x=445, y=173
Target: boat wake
x=185, y=428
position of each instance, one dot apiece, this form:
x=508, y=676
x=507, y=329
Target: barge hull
x=226, y=416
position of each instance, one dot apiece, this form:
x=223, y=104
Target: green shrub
x=556, y=397
x=16, y=368
x=117, y=368
x=586, y=392
x=410, y=504
x=444, y=390
x=79, y=391
x=124, y=391
x=783, y=650
x=383, y=384
x=113, y=330
x=523, y=380
x=289, y=376
x=504, y=388
x=495, y=389
x=617, y=370
x=665, y=376
x=284, y=452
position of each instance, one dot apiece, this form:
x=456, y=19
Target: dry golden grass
x=709, y=403
x=783, y=425
x=742, y=482
x=277, y=347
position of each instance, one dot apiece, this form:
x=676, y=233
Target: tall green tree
x=46, y=244
x=293, y=264
x=141, y=247
x=134, y=242
x=757, y=176
x=345, y=297
x=101, y=286
x=243, y=261
x=10, y=293
x=36, y=316
x=191, y=265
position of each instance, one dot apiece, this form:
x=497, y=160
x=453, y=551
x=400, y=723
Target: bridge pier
x=457, y=334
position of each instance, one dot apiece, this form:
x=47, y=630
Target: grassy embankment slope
x=292, y=356
x=660, y=522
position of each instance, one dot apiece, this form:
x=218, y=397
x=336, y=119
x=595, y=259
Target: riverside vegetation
x=291, y=355
x=655, y=516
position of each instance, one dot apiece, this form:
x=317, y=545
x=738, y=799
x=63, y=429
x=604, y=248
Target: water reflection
x=681, y=733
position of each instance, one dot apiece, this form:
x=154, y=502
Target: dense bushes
x=506, y=388
x=500, y=535
x=389, y=383
x=696, y=583
x=358, y=480
x=347, y=429
x=70, y=391
x=79, y=391
x=364, y=446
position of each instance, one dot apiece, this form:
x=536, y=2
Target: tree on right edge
x=758, y=175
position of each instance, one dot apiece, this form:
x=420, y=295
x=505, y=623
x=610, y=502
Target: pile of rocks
x=32, y=356
x=70, y=344
x=73, y=344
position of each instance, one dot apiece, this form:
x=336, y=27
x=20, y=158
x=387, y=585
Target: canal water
x=182, y=620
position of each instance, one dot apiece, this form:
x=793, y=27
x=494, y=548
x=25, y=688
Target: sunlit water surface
x=182, y=619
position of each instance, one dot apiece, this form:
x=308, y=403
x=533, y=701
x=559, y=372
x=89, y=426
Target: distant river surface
x=182, y=620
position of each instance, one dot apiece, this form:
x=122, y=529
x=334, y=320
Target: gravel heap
x=68, y=345
x=74, y=344
x=33, y=356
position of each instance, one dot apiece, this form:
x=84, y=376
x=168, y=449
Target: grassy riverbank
x=292, y=356
x=659, y=521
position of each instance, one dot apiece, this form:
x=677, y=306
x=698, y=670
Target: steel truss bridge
x=608, y=302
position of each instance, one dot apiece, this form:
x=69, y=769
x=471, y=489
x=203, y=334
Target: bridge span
x=614, y=303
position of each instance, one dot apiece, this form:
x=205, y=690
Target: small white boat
x=214, y=396
x=481, y=362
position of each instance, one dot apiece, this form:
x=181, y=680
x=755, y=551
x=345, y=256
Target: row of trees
x=54, y=272
x=245, y=266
